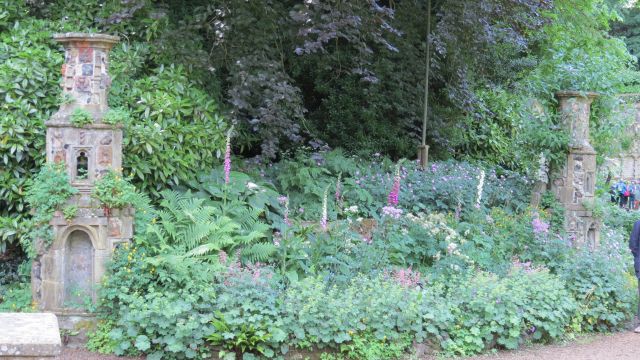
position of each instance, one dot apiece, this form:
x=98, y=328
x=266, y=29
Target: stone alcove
x=79, y=262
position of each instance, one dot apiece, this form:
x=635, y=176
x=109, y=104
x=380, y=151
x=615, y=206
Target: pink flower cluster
x=407, y=278
x=539, y=226
x=235, y=271
x=526, y=266
x=392, y=199
x=227, y=159
x=392, y=212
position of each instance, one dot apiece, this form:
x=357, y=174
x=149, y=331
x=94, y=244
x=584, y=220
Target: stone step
x=29, y=336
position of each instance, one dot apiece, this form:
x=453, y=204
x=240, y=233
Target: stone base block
x=29, y=336
x=74, y=326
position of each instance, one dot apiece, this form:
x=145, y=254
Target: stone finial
x=575, y=109
x=85, y=77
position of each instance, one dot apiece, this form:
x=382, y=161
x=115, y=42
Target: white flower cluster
x=480, y=186
x=351, y=209
x=436, y=226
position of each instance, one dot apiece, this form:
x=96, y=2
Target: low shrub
x=318, y=314
x=598, y=279
x=15, y=288
x=367, y=346
x=501, y=312
x=15, y=297
x=247, y=314
x=156, y=311
x=99, y=340
x=81, y=117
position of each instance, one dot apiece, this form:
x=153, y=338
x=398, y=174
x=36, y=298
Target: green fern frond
x=259, y=252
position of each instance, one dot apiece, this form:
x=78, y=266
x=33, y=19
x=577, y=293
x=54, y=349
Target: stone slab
x=29, y=336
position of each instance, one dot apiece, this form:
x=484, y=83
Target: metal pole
x=424, y=149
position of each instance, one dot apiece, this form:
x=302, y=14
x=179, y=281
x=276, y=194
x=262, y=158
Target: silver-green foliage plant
x=247, y=317
x=527, y=302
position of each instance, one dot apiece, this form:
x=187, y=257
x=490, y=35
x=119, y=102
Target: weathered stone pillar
x=65, y=275
x=575, y=183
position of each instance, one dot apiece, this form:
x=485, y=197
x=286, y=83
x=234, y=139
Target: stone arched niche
x=78, y=270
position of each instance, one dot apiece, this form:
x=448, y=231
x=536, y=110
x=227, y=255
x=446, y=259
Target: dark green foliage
x=15, y=288
x=29, y=74
x=170, y=112
x=15, y=297
x=356, y=68
x=627, y=27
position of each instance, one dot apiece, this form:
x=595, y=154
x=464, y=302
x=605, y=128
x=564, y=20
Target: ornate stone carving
x=106, y=140
x=104, y=156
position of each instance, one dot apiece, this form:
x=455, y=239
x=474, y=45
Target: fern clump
x=186, y=228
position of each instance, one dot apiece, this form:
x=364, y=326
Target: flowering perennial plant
x=392, y=199
x=407, y=278
x=284, y=200
x=392, y=212
x=480, y=186
x=234, y=272
x=323, y=220
x=539, y=226
x=227, y=157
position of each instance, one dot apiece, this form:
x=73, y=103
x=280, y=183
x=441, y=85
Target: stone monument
x=65, y=275
x=575, y=182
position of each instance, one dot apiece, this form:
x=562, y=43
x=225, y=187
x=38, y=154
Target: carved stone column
x=575, y=183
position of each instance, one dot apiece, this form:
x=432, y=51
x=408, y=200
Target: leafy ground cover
x=458, y=277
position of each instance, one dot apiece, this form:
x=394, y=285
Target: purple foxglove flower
x=227, y=158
